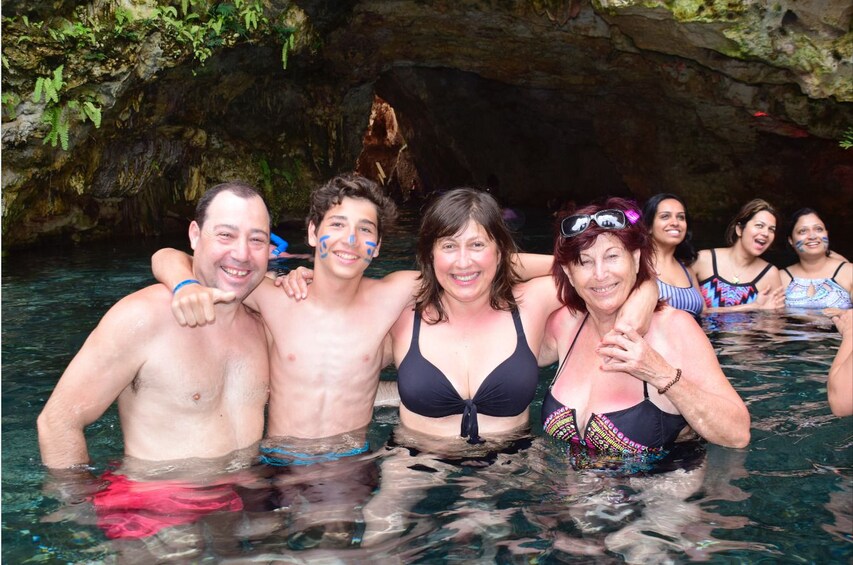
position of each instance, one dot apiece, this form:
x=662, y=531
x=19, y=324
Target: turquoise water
x=786, y=498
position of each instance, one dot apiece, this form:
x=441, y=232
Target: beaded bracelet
x=182, y=284
x=672, y=382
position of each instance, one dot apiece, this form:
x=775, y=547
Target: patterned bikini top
x=684, y=298
x=827, y=293
x=719, y=292
x=642, y=428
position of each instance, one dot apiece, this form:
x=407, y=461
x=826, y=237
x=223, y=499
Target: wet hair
x=351, y=185
x=237, y=188
x=746, y=213
x=792, y=222
x=684, y=251
x=567, y=250
x=448, y=215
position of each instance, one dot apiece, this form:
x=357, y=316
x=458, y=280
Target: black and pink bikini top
x=506, y=391
x=637, y=429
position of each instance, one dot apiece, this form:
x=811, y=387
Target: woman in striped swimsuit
x=665, y=215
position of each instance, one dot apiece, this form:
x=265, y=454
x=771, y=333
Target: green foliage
x=846, y=141
x=10, y=102
x=50, y=86
x=193, y=27
x=58, y=113
x=287, y=35
x=59, y=126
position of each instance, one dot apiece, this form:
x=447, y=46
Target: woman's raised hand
x=770, y=298
x=625, y=350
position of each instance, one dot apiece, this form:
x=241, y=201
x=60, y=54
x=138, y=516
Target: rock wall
x=543, y=101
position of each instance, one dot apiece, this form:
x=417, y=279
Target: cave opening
x=385, y=156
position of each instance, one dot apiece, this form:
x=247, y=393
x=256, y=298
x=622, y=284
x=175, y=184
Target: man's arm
x=192, y=304
x=106, y=364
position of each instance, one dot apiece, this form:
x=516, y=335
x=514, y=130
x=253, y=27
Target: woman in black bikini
x=467, y=352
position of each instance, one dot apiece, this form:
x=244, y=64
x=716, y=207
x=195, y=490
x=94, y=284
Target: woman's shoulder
x=674, y=321
x=702, y=266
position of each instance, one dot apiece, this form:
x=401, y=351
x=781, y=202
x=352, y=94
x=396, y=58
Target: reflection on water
x=786, y=498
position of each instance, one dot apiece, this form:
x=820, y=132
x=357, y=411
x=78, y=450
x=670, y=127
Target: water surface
x=786, y=498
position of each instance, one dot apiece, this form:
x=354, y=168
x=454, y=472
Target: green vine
x=846, y=141
x=191, y=27
x=58, y=113
x=10, y=104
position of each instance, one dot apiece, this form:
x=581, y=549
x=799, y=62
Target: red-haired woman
x=617, y=391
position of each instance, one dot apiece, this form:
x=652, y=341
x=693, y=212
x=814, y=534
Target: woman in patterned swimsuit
x=616, y=391
x=736, y=278
x=820, y=279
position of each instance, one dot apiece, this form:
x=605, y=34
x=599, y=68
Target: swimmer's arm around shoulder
x=107, y=363
x=401, y=287
x=532, y=265
x=638, y=309
x=192, y=304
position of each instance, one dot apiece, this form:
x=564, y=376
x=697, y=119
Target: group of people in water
x=736, y=277
x=219, y=362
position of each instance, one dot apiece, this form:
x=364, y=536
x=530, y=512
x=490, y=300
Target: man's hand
x=295, y=283
x=193, y=304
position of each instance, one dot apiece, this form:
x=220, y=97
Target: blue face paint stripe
x=800, y=245
x=324, y=246
x=371, y=249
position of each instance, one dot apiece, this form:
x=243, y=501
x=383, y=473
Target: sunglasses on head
x=611, y=219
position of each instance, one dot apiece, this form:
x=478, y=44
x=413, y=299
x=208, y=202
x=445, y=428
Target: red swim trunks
x=130, y=509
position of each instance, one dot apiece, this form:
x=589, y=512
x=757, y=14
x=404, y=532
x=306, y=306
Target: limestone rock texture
x=542, y=101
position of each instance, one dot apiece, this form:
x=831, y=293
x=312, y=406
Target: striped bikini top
x=719, y=292
x=642, y=428
x=827, y=293
x=684, y=298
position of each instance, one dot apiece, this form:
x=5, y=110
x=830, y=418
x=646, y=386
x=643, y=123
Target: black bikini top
x=639, y=428
x=507, y=391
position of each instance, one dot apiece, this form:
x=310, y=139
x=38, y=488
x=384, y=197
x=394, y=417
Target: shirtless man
x=182, y=393
x=325, y=353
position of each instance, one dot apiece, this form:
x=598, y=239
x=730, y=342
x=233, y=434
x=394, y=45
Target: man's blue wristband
x=182, y=284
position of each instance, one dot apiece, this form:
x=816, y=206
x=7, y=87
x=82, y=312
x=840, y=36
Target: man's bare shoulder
x=148, y=307
x=267, y=294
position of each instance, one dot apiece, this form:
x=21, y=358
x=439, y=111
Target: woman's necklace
x=736, y=278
